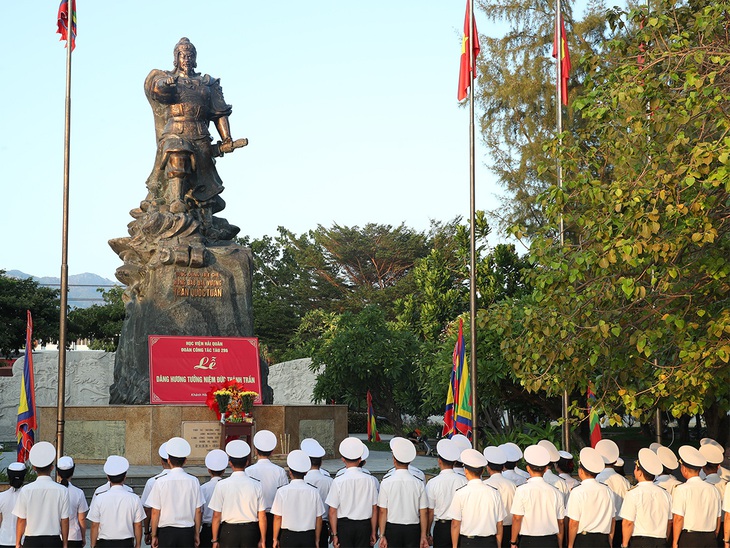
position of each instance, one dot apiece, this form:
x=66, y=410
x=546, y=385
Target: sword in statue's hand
x=221, y=148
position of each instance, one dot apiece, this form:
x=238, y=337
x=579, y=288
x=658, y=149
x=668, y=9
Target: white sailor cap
x=351, y=448
x=712, y=453
x=461, y=441
x=298, y=461
x=16, y=466
x=551, y=449
x=115, y=465
x=565, y=455
x=65, y=463
x=710, y=441
x=655, y=446
x=448, y=450
x=365, y=452
x=238, y=449
x=514, y=453
x=403, y=450
x=650, y=462
x=178, y=447
x=691, y=456
x=619, y=462
x=537, y=455
x=591, y=460
x=312, y=448
x=264, y=440
x=473, y=458
x=162, y=451
x=608, y=450
x=667, y=458
x=42, y=454
x=494, y=455
x=216, y=460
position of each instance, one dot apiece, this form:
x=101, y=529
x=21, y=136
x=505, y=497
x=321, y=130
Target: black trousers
x=324, y=536
x=239, y=535
x=206, y=535
x=43, y=541
x=648, y=542
x=618, y=534
x=478, y=542
x=176, y=537
x=269, y=530
x=546, y=541
x=297, y=539
x=403, y=536
x=506, y=536
x=442, y=533
x=353, y=533
x=75, y=543
x=115, y=543
x=591, y=540
x=697, y=539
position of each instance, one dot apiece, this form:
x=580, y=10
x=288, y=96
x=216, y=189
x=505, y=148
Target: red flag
x=564, y=61
x=467, y=73
x=66, y=13
x=25, y=428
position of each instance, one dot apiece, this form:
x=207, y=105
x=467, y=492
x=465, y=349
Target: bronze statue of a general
x=175, y=222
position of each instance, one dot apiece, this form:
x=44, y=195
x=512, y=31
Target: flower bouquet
x=231, y=402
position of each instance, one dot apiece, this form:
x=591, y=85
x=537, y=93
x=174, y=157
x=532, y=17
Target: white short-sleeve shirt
x=404, y=496
x=353, y=494
x=238, y=498
x=116, y=511
x=699, y=503
x=592, y=505
x=479, y=508
x=440, y=491
x=177, y=496
x=506, y=492
x=649, y=507
x=541, y=506
x=77, y=505
x=8, y=499
x=43, y=503
x=299, y=505
x=272, y=476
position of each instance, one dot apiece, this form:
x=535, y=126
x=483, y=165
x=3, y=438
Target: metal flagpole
x=61, y=404
x=472, y=236
x=559, y=116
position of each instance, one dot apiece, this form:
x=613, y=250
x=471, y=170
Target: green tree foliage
x=17, y=296
x=516, y=96
x=369, y=265
x=637, y=300
x=363, y=351
x=101, y=324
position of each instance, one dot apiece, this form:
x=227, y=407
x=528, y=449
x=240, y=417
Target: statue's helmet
x=185, y=44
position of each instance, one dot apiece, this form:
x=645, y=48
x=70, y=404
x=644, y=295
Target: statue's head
x=185, y=45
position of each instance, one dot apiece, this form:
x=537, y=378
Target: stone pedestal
x=212, y=300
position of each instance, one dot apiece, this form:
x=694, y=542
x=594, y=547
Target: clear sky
x=350, y=109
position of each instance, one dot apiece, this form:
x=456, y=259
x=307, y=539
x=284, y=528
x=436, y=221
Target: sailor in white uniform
x=615, y=482
x=565, y=468
x=440, y=491
x=591, y=508
x=77, y=503
x=297, y=507
x=16, y=475
x=321, y=479
x=511, y=472
x=666, y=480
x=647, y=509
x=162, y=452
x=216, y=461
x=496, y=458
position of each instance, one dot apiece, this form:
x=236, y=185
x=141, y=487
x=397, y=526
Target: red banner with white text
x=183, y=369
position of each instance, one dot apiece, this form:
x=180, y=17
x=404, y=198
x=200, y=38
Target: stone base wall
x=91, y=433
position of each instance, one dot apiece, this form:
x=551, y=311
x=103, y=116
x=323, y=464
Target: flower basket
x=231, y=402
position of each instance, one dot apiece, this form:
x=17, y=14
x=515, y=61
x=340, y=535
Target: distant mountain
x=82, y=288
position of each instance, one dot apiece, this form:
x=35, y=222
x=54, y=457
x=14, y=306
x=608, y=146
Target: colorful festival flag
x=25, y=429
x=458, y=412
x=467, y=73
x=594, y=422
x=564, y=61
x=66, y=13
x=372, y=427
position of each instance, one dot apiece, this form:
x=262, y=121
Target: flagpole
x=61, y=402
x=559, y=122
x=472, y=237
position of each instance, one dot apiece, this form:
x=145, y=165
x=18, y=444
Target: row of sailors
x=258, y=506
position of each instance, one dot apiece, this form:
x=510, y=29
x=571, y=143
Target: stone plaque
x=203, y=436
x=323, y=430
x=94, y=440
